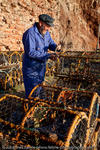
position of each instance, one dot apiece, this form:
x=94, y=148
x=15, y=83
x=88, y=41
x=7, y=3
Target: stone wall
x=76, y=22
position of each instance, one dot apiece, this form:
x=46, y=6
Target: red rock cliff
x=76, y=22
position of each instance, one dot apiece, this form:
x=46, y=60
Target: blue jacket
x=35, y=56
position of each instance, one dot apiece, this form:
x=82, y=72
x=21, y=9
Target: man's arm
x=30, y=48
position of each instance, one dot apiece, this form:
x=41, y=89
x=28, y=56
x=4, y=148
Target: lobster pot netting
x=10, y=57
x=95, y=140
x=4, y=58
x=78, y=63
x=74, y=100
x=54, y=126
x=7, y=142
x=82, y=101
x=40, y=124
x=12, y=111
x=10, y=69
x=48, y=93
x=78, y=71
x=15, y=57
x=11, y=108
x=9, y=78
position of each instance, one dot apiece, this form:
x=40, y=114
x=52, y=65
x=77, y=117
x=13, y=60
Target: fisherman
x=37, y=41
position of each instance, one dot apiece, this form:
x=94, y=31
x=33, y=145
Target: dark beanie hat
x=46, y=19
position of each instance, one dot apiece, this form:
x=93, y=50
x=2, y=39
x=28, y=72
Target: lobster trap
x=74, y=100
x=10, y=69
x=78, y=70
x=49, y=122
x=29, y=123
x=62, y=116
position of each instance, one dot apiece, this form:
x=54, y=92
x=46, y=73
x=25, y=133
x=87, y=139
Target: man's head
x=45, y=22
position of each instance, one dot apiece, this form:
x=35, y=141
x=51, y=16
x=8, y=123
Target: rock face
x=76, y=22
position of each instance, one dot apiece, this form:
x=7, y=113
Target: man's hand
x=58, y=49
x=53, y=56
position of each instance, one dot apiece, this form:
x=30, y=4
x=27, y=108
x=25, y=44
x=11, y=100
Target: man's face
x=43, y=27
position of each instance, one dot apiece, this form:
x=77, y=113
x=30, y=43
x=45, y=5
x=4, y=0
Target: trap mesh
x=29, y=122
x=10, y=69
x=40, y=119
x=77, y=70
